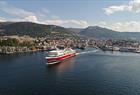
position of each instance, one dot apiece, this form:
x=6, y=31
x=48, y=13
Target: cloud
x=132, y=6
x=2, y=19
x=55, y=17
x=31, y=18
x=43, y=12
x=80, y=23
x=102, y=23
x=128, y=26
x=17, y=12
x=112, y=9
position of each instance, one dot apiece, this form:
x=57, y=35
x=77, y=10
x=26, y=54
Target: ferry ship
x=56, y=56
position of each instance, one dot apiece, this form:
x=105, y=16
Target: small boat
x=56, y=56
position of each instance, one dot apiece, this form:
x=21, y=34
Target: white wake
x=79, y=53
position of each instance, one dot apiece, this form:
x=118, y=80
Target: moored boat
x=56, y=56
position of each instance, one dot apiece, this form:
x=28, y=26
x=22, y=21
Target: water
x=91, y=72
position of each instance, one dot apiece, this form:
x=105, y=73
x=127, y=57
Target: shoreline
x=19, y=52
x=37, y=50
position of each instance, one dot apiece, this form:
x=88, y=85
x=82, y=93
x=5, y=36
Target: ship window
x=52, y=55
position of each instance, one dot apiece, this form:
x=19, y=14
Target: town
x=18, y=44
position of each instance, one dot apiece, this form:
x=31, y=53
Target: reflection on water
x=61, y=67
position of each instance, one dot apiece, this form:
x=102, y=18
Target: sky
x=119, y=15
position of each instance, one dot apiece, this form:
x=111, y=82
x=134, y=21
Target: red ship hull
x=60, y=58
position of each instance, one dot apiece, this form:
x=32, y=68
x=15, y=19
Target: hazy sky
x=121, y=15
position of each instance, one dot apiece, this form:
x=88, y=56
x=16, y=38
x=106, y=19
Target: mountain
x=33, y=29
x=100, y=33
x=42, y=30
x=132, y=35
x=76, y=30
x=104, y=33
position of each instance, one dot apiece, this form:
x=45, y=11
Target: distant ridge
x=33, y=29
x=42, y=30
x=100, y=33
x=104, y=33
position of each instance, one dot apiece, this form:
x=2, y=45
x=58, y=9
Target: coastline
x=21, y=50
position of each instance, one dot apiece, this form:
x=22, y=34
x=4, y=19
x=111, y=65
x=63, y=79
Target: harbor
x=20, y=44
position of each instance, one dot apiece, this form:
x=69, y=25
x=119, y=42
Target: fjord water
x=89, y=73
